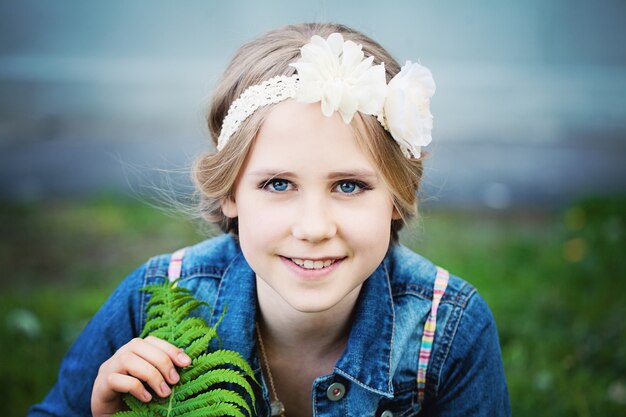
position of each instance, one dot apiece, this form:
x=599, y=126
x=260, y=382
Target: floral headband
x=335, y=73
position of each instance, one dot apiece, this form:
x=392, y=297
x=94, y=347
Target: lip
x=312, y=274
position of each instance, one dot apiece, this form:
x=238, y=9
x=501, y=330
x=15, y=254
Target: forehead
x=297, y=135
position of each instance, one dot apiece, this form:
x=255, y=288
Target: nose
x=314, y=222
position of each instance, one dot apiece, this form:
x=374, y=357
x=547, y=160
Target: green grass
x=556, y=283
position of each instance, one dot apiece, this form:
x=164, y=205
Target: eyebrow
x=356, y=173
x=353, y=173
x=270, y=173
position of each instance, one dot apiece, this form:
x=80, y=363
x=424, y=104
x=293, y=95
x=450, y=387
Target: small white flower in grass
x=407, y=107
x=335, y=73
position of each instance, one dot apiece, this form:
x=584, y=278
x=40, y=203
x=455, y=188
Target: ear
x=229, y=207
x=395, y=214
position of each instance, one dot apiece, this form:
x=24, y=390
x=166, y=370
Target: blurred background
x=102, y=111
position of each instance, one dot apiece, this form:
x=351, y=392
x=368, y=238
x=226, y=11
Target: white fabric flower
x=335, y=73
x=407, y=107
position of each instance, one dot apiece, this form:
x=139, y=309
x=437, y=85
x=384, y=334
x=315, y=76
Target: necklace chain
x=278, y=409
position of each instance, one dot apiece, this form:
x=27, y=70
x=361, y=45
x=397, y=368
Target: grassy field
x=556, y=283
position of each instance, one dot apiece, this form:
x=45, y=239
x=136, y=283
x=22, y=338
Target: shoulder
x=412, y=282
x=413, y=276
x=203, y=267
x=464, y=321
x=206, y=259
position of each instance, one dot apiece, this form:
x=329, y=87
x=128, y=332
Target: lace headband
x=335, y=73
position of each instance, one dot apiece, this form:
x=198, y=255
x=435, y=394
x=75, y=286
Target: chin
x=311, y=306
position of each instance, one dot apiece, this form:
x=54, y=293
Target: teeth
x=309, y=264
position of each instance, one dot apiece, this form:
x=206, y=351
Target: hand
x=150, y=360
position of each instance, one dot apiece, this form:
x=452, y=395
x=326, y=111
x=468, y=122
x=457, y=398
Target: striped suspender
x=441, y=282
x=176, y=262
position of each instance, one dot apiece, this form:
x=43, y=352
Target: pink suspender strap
x=176, y=262
x=441, y=282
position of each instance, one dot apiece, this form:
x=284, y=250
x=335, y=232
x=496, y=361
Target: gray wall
x=530, y=108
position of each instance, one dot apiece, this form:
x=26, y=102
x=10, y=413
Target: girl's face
x=314, y=215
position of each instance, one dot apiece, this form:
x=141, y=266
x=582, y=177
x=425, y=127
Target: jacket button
x=386, y=413
x=336, y=391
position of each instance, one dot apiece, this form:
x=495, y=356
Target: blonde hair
x=215, y=174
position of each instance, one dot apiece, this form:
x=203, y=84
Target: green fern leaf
x=216, y=383
x=156, y=323
x=131, y=414
x=214, y=397
x=193, y=323
x=199, y=345
x=216, y=410
x=188, y=332
x=136, y=405
x=212, y=360
x=183, y=311
x=210, y=378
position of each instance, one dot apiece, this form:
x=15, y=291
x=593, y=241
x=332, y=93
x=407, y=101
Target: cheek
x=259, y=222
x=369, y=222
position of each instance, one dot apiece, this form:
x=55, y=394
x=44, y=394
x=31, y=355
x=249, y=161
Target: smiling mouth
x=310, y=264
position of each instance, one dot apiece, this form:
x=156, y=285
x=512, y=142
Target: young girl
x=318, y=133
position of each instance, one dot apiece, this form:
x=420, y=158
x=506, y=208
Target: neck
x=289, y=332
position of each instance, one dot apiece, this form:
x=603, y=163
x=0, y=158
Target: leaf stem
x=170, y=402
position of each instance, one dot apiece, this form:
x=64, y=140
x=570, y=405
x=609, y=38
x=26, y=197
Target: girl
x=318, y=133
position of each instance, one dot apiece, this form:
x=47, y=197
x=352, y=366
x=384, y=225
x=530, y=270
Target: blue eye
x=350, y=187
x=278, y=185
x=347, y=187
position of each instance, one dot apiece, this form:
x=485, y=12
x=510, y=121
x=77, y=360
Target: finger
x=128, y=384
x=153, y=350
x=177, y=355
x=143, y=370
x=156, y=357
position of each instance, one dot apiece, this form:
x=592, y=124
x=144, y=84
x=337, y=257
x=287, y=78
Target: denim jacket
x=377, y=372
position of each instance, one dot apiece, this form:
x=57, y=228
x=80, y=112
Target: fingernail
x=165, y=389
x=173, y=376
x=147, y=396
x=183, y=358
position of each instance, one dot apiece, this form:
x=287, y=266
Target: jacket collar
x=367, y=358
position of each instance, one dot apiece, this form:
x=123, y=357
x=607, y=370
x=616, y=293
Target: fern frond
x=136, y=405
x=162, y=407
x=213, y=397
x=131, y=414
x=215, y=410
x=189, y=323
x=156, y=323
x=210, y=378
x=188, y=330
x=199, y=345
x=156, y=311
x=185, y=308
x=209, y=385
x=157, y=294
x=212, y=360
x=201, y=337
